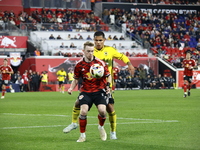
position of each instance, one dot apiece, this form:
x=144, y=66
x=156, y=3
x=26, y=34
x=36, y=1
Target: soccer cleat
x=81, y=139
x=185, y=95
x=63, y=92
x=12, y=91
x=102, y=132
x=113, y=136
x=70, y=127
x=188, y=93
x=2, y=97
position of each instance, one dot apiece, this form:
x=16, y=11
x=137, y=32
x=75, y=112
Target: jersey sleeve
x=193, y=63
x=77, y=72
x=120, y=56
x=10, y=68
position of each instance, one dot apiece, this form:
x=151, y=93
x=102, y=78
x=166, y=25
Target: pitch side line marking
x=26, y=127
x=51, y=115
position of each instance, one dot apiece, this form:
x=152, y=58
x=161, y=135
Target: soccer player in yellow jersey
x=61, y=75
x=106, y=53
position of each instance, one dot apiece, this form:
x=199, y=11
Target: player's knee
x=83, y=112
x=77, y=105
x=103, y=114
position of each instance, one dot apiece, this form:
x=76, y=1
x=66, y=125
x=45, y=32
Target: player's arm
x=126, y=60
x=108, y=85
x=131, y=69
x=10, y=70
x=73, y=85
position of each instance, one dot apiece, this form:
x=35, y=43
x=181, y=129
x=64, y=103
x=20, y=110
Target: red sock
x=189, y=87
x=113, y=87
x=185, y=88
x=7, y=87
x=3, y=92
x=82, y=124
x=101, y=120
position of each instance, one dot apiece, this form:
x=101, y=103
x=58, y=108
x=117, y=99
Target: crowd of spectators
x=167, y=2
x=80, y=37
x=166, y=35
x=67, y=20
x=144, y=78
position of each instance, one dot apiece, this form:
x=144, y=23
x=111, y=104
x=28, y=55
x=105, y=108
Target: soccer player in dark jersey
x=188, y=65
x=92, y=91
x=6, y=72
x=107, y=54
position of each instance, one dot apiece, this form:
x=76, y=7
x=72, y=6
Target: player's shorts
x=96, y=98
x=188, y=78
x=5, y=82
x=60, y=82
x=111, y=99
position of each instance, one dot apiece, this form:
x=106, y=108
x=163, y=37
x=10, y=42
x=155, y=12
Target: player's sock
x=185, y=88
x=189, y=87
x=113, y=121
x=75, y=114
x=7, y=87
x=174, y=85
x=3, y=92
x=63, y=88
x=101, y=120
x=82, y=123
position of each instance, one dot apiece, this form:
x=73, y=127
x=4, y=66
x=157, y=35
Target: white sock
x=83, y=135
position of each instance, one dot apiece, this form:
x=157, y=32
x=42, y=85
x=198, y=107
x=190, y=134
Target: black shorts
x=61, y=82
x=5, y=82
x=111, y=99
x=96, y=98
x=188, y=78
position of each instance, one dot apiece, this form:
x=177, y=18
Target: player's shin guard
x=82, y=123
x=113, y=121
x=75, y=114
x=101, y=120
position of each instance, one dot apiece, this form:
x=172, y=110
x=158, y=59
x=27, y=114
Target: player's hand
x=69, y=91
x=108, y=90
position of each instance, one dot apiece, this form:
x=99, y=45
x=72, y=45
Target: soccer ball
x=97, y=71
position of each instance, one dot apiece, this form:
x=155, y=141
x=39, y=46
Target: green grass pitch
x=147, y=120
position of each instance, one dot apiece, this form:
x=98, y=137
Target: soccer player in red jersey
x=115, y=75
x=92, y=91
x=188, y=65
x=6, y=72
x=107, y=54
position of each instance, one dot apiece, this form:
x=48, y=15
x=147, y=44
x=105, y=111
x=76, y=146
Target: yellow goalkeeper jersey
x=107, y=54
x=61, y=75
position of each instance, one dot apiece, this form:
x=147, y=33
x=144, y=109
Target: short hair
x=88, y=43
x=5, y=59
x=188, y=51
x=99, y=33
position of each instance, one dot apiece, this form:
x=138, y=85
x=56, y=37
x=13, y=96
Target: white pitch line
x=26, y=127
x=51, y=115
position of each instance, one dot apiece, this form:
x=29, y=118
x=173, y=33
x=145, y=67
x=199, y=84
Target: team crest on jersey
x=80, y=97
x=106, y=53
x=88, y=76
